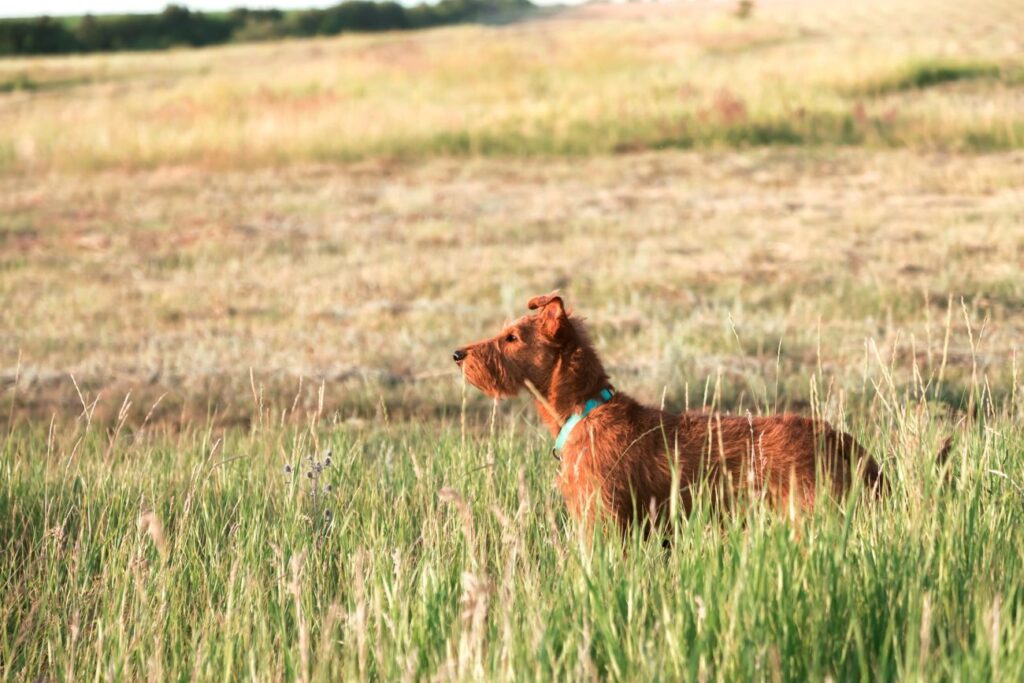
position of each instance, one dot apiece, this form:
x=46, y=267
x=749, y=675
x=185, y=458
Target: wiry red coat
x=625, y=457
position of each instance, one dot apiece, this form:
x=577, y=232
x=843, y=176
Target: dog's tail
x=871, y=474
x=862, y=463
x=942, y=458
x=875, y=481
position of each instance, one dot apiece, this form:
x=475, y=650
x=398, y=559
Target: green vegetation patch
x=22, y=82
x=926, y=73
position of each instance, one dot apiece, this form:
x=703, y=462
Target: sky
x=34, y=8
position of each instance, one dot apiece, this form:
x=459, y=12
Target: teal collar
x=576, y=418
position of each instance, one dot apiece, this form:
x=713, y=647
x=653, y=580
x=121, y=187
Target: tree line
x=180, y=26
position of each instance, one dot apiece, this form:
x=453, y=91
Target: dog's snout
x=458, y=355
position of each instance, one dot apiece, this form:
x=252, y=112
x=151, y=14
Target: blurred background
x=204, y=208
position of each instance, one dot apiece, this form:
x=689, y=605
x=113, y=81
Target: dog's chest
x=577, y=479
x=590, y=469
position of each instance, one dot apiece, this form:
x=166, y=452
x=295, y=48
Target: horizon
x=75, y=8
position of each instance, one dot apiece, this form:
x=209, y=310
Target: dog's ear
x=543, y=300
x=552, y=312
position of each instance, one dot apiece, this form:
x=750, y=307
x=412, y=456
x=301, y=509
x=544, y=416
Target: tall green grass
x=447, y=554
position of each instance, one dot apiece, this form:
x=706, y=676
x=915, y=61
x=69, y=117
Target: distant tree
x=178, y=25
x=88, y=33
x=39, y=36
x=249, y=24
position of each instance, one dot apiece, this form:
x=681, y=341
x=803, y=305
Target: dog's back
x=632, y=455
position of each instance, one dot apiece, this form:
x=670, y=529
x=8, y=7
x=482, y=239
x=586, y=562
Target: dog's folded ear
x=544, y=299
x=552, y=313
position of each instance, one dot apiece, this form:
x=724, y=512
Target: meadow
x=932, y=74
x=220, y=268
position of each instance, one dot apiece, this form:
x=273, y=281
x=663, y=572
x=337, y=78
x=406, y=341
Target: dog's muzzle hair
x=488, y=370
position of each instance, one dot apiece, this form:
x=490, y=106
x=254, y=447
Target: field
x=215, y=264
x=933, y=74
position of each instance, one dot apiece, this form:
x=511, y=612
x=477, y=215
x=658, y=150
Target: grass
x=929, y=73
x=174, y=283
x=149, y=528
x=194, y=554
x=587, y=81
x=214, y=263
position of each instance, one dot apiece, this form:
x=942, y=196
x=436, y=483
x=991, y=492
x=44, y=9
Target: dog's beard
x=490, y=377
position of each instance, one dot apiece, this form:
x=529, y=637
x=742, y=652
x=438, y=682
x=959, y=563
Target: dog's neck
x=578, y=376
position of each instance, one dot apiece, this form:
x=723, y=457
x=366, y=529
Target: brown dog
x=625, y=456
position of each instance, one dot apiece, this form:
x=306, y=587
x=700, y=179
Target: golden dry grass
x=589, y=80
x=365, y=276
x=167, y=221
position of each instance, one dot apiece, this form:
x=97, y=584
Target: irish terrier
x=625, y=457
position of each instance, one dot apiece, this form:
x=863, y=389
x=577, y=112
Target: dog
x=625, y=458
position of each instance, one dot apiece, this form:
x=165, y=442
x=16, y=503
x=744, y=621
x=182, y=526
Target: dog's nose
x=458, y=355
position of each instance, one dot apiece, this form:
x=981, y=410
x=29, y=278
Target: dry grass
x=179, y=281
x=928, y=74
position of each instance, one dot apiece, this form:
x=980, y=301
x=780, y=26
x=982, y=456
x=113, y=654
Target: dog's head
x=526, y=350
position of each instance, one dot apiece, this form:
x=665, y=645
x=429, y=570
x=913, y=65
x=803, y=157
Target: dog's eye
x=511, y=337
